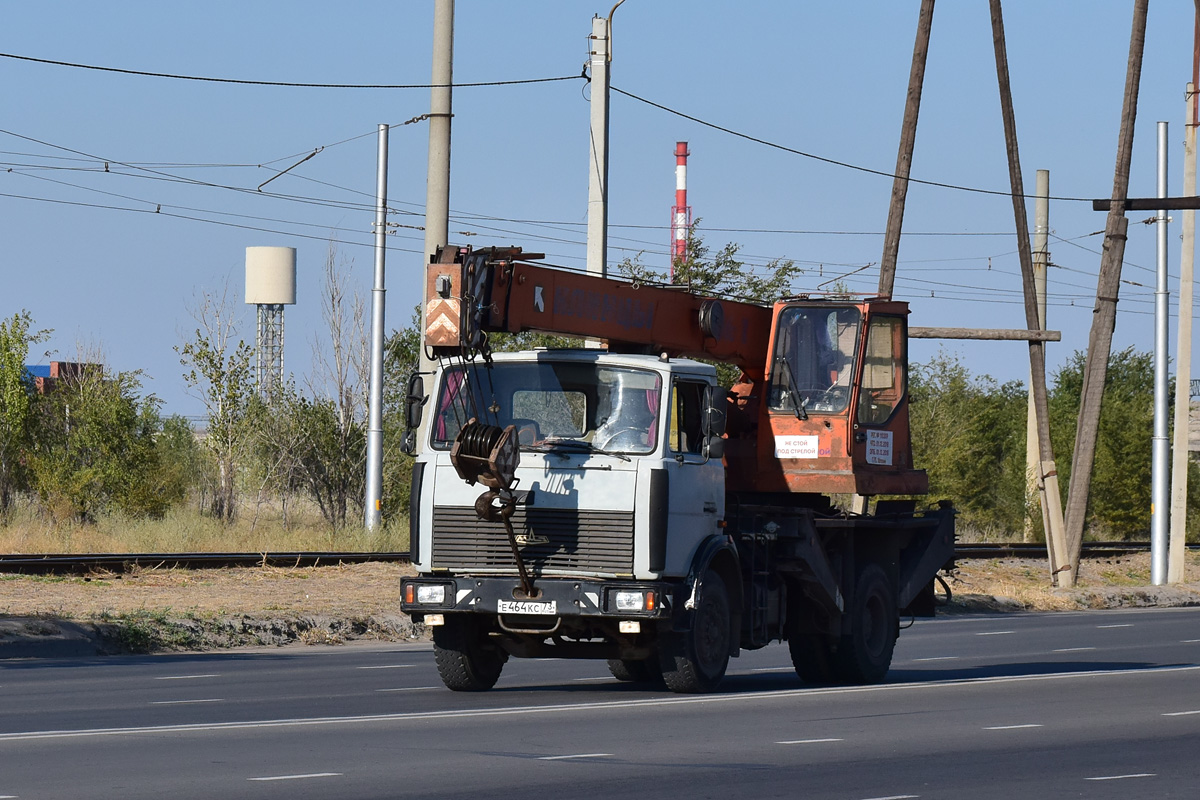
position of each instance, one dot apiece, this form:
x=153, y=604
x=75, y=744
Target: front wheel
x=465, y=660
x=696, y=661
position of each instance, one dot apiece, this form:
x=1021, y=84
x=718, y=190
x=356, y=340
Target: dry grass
x=188, y=531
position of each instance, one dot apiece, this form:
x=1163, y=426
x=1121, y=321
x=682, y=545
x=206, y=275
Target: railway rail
x=87, y=563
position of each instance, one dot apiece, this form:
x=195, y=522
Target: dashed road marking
x=1118, y=625
x=1072, y=649
x=577, y=755
x=1013, y=727
x=1121, y=777
x=1180, y=713
x=187, y=702
x=407, y=689
x=389, y=666
x=995, y=633
x=1189, y=641
x=937, y=658
x=186, y=677
x=297, y=777
x=810, y=741
x=773, y=669
x=895, y=797
x=593, y=680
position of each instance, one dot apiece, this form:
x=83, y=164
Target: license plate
x=526, y=607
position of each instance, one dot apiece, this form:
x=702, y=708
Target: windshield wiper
x=579, y=444
x=797, y=402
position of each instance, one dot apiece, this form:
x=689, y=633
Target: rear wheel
x=465, y=660
x=696, y=661
x=812, y=656
x=642, y=671
x=865, y=655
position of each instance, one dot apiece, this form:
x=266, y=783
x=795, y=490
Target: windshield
x=815, y=349
x=568, y=404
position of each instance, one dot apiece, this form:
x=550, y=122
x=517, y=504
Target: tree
x=1119, y=504
x=968, y=434
x=16, y=401
x=95, y=447
x=218, y=370
x=721, y=274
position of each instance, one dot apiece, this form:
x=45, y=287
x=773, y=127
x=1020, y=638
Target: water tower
x=270, y=285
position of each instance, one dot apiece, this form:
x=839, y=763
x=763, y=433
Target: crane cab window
x=883, y=370
x=813, y=365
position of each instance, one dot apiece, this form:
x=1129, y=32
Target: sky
x=124, y=199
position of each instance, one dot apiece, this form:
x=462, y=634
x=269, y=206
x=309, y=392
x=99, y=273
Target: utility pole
x=1104, y=316
x=1041, y=258
x=1160, y=448
x=597, y=229
x=1048, y=474
x=437, y=181
x=908, y=138
x=372, y=505
x=1183, y=368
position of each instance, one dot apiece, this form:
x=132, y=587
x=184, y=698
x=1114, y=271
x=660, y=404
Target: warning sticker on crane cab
x=796, y=447
x=879, y=447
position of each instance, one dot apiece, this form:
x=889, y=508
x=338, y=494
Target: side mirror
x=414, y=401
x=714, y=412
x=715, y=447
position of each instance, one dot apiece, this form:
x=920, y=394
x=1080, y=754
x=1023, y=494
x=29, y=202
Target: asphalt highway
x=1095, y=705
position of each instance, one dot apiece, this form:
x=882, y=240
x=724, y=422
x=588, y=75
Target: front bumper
x=555, y=597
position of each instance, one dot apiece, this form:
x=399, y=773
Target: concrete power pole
x=373, y=500
x=597, y=229
x=1183, y=369
x=437, y=181
x=1041, y=258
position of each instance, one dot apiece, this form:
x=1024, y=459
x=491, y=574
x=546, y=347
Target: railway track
x=63, y=564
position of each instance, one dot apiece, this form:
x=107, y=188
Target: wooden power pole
x=1104, y=316
x=908, y=138
x=1048, y=479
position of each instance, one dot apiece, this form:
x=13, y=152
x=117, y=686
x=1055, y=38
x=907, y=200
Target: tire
x=465, y=662
x=865, y=655
x=647, y=671
x=812, y=656
x=696, y=661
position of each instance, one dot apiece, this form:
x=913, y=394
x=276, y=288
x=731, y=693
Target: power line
x=288, y=84
x=825, y=159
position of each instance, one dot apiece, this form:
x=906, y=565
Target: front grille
x=580, y=541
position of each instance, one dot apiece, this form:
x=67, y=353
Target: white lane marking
x=1120, y=625
x=774, y=669
x=297, y=777
x=186, y=677
x=1180, y=713
x=389, y=666
x=577, y=755
x=1072, y=649
x=895, y=797
x=937, y=658
x=1013, y=727
x=810, y=741
x=995, y=633
x=1121, y=777
x=186, y=702
x=592, y=680
x=771, y=695
x=408, y=689
x=1189, y=641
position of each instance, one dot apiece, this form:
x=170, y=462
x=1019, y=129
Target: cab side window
x=883, y=370
x=686, y=426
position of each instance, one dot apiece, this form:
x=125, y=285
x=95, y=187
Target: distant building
x=46, y=375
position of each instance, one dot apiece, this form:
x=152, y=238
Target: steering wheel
x=638, y=432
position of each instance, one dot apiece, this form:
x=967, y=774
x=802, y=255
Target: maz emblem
x=526, y=539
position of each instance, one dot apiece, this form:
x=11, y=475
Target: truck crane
x=637, y=512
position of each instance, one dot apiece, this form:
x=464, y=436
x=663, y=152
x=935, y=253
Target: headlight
x=431, y=595
x=630, y=601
